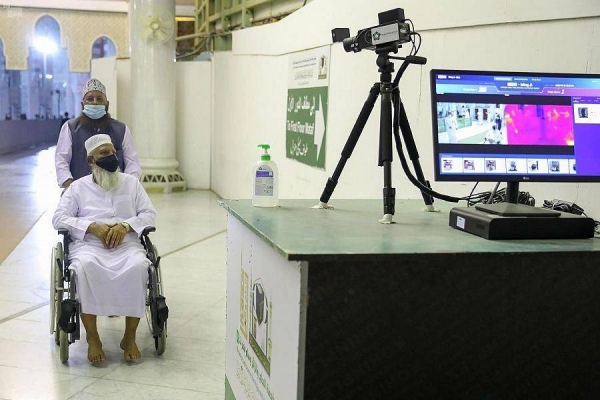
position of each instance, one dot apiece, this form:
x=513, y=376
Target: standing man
x=451, y=126
x=71, y=158
x=105, y=213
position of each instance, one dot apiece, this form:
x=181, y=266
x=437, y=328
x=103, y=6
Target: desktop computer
x=519, y=221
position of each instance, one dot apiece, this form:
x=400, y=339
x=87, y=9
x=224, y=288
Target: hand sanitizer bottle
x=265, y=181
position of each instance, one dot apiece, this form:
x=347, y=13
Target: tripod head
x=386, y=67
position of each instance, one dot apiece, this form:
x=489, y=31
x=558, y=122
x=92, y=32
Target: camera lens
x=348, y=44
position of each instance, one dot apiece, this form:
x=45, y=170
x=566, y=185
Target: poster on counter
x=263, y=319
x=306, y=122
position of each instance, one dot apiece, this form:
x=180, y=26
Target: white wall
x=105, y=70
x=250, y=86
x=193, y=116
x=123, y=69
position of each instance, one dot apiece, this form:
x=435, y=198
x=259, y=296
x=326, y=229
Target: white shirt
x=64, y=152
x=84, y=202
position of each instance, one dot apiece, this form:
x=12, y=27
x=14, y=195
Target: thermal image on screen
x=545, y=125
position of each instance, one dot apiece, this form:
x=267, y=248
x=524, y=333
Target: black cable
x=304, y=3
x=414, y=33
x=404, y=163
x=471, y=194
x=420, y=40
x=494, y=191
x=396, y=131
x=414, y=50
x=496, y=196
x=563, y=206
x=485, y=198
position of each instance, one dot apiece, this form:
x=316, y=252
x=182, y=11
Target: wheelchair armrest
x=148, y=230
x=147, y=243
x=64, y=232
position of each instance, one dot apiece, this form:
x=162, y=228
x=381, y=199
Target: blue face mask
x=94, y=111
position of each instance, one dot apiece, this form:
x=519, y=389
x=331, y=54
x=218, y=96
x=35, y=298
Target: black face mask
x=109, y=163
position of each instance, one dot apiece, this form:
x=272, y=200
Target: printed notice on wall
x=306, y=122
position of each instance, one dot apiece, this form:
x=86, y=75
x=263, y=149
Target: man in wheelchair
x=105, y=214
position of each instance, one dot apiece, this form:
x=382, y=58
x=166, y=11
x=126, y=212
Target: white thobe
x=109, y=281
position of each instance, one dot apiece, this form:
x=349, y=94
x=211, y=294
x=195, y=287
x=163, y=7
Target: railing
x=18, y=135
x=216, y=19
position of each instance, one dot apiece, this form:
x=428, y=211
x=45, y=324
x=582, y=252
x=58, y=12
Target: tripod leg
x=386, y=153
x=359, y=125
x=413, y=153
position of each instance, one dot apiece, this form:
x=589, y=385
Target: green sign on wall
x=306, y=122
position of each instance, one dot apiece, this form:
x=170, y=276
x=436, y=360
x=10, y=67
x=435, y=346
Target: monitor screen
x=515, y=126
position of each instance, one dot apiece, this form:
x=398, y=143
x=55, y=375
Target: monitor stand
x=511, y=208
x=517, y=210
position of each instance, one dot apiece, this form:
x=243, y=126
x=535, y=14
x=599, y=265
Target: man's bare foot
x=130, y=349
x=95, y=352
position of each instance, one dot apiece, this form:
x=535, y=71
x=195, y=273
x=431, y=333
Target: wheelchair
x=64, y=306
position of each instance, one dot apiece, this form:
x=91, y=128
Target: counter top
x=300, y=232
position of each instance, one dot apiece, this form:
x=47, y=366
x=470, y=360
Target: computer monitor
x=515, y=127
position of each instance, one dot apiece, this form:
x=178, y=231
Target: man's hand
x=100, y=231
x=115, y=236
x=66, y=185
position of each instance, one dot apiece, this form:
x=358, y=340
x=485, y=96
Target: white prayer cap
x=93, y=84
x=95, y=141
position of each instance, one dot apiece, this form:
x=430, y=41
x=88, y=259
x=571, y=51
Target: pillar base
x=167, y=180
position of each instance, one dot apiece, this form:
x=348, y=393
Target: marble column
x=152, y=49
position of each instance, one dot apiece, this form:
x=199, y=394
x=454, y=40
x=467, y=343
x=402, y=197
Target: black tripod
x=390, y=95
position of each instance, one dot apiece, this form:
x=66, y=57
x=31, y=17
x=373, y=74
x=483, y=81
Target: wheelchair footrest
x=68, y=308
x=162, y=310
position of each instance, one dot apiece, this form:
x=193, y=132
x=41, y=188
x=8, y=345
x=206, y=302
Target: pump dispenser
x=265, y=181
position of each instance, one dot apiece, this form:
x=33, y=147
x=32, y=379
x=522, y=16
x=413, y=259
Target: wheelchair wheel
x=64, y=345
x=160, y=342
x=150, y=296
x=52, y=285
x=154, y=302
x=149, y=314
x=56, y=289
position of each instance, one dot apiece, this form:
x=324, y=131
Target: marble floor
x=190, y=237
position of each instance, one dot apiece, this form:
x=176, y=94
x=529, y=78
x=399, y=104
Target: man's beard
x=105, y=179
x=94, y=124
